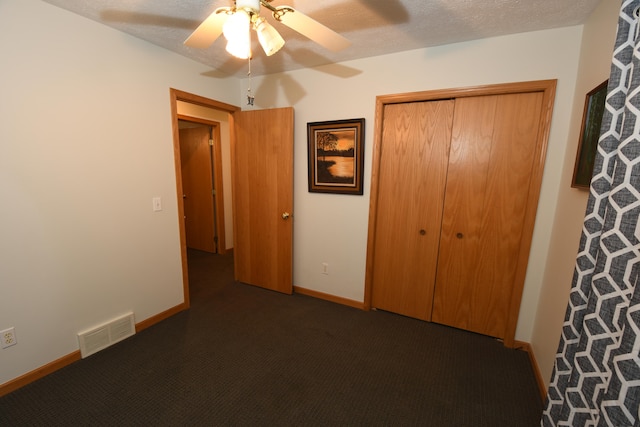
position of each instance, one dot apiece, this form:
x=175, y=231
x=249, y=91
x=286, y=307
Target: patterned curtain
x=596, y=376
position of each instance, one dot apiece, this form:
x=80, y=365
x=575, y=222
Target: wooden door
x=263, y=198
x=493, y=152
x=197, y=187
x=412, y=178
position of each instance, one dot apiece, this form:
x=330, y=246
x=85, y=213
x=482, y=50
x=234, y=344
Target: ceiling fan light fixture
x=236, y=22
x=237, y=32
x=269, y=38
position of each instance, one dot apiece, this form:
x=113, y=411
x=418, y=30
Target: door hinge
x=211, y=142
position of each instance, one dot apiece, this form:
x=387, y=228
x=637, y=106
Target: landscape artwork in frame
x=336, y=156
x=589, y=135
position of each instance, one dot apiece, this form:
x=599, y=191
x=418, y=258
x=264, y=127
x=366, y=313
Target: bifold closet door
x=412, y=178
x=492, y=155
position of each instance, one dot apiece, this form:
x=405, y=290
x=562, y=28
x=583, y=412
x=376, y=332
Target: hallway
x=209, y=273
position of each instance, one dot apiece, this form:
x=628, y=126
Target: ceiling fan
x=236, y=21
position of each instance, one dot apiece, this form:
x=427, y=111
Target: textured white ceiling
x=375, y=27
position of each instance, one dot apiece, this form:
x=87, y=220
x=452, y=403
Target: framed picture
x=336, y=156
x=589, y=135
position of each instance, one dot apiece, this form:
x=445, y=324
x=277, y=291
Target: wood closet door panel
x=494, y=141
x=412, y=177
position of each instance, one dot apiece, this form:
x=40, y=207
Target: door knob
x=423, y=232
x=459, y=235
x=286, y=215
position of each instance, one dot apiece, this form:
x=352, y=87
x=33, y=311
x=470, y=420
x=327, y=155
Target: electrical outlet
x=8, y=338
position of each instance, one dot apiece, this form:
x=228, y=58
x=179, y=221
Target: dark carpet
x=247, y=356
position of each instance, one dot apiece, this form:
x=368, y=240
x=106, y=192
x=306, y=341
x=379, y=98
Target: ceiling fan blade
x=310, y=28
x=209, y=30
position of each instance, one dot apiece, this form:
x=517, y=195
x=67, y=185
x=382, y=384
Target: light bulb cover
x=239, y=50
x=237, y=32
x=269, y=38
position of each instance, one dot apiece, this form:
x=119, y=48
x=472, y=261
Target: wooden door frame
x=547, y=88
x=175, y=96
x=216, y=164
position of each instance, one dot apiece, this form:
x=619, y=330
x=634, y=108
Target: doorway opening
x=190, y=108
x=203, y=192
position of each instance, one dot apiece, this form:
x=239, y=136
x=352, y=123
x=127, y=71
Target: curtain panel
x=596, y=375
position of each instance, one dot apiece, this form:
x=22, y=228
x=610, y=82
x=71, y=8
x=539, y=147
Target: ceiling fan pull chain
x=250, y=98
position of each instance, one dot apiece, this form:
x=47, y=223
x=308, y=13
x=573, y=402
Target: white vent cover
x=100, y=337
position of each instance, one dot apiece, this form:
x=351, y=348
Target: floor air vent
x=100, y=337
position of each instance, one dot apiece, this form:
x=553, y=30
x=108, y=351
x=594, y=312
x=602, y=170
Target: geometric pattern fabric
x=596, y=374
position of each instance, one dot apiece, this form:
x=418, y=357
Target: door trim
x=547, y=87
x=175, y=96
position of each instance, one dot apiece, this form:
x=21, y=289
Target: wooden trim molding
x=70, y=358
x=191, y=98
x=41, y=372
x=328, y=297
x=141, y=326
x=542, y=388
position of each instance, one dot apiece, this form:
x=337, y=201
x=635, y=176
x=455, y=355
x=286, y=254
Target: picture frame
x=589, y=135
x=336, y=156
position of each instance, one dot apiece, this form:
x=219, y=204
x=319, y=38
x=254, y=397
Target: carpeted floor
x=246, y=356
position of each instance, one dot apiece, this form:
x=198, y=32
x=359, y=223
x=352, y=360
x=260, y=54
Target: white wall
x=333, y=228
x=595, y=64
x=85, y=143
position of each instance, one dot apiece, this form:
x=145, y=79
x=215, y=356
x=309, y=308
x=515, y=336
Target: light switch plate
x=157, y=204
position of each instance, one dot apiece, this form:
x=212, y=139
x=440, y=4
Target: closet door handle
x=423, y=232
x=459, y=235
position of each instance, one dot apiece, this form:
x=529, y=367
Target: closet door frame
x=547, y=88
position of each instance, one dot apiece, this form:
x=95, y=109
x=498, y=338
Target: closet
x=455, y=185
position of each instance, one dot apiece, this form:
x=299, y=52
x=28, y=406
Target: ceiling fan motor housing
x=252, y=5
